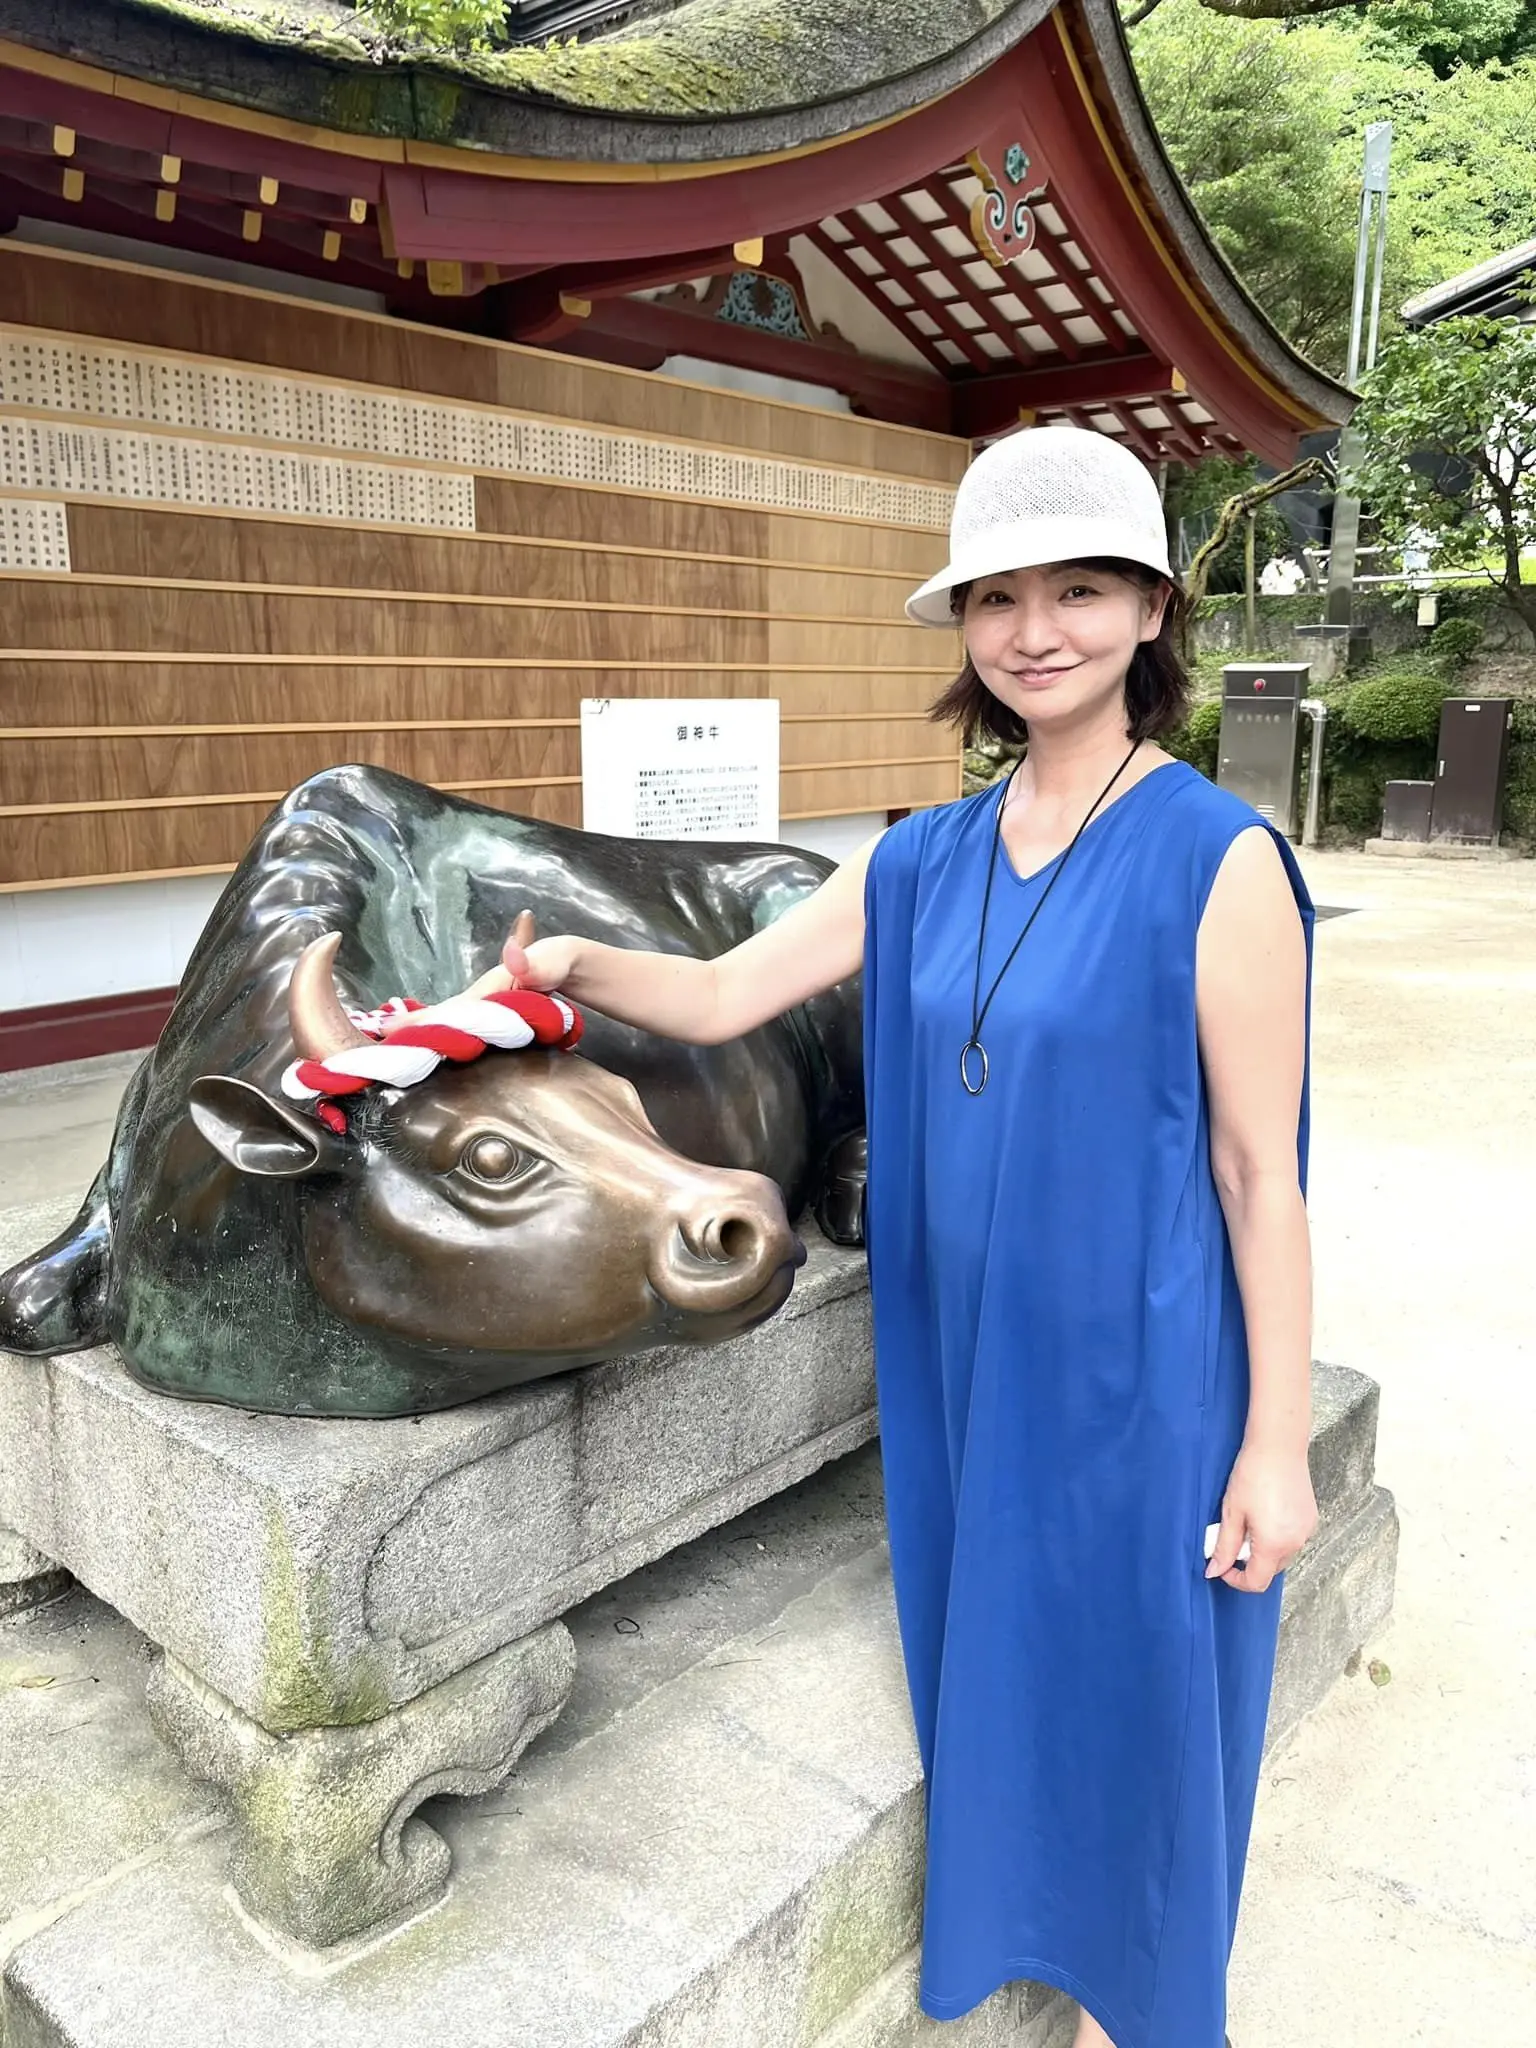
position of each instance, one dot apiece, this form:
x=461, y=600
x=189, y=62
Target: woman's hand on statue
x=1269, y=1500
x=543, y=964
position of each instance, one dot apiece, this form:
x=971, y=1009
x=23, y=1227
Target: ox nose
x=727, y=1246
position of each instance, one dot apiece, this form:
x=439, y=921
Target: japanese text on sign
x=664, y=768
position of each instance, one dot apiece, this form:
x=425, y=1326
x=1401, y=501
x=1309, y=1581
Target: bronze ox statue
x=527, y=1213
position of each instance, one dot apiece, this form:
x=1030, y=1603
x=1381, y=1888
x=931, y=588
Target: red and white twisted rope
x=461, y=1029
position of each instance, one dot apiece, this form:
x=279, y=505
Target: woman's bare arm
x=704, y=1002
x=1251, y=975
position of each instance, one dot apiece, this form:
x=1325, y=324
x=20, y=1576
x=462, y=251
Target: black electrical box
x=1469, y=774
x=1407, y=810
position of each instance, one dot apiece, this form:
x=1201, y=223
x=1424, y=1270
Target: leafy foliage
x=1396, y=702
x=1198, y=739
x=1449, y=427
x=1445, y=33
x=1520, y=794
x=1205, y=487
x=446, y=24
x=1264, y=121
x=1453, y=643
x=1237, y=107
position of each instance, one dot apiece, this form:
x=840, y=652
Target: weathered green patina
x=301, y=1689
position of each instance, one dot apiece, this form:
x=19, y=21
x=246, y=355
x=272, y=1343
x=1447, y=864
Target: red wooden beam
x=129, y=122
x=547, y=306
x=454, y=214
x=1074, y=279
x=869, y=286
x=132, y=217
x=1019, y=191
x=1143, y=439
x=466, y=216
x=986, y=405
x=1014, y=279
x=941, y=311
x=972, y=294
x=977, y=295
x=642, y=334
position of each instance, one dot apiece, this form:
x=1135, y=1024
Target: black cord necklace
x=973, y=1045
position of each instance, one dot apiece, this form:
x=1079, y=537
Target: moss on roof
x=325, y=27
x=744, y=56
x=705, y=58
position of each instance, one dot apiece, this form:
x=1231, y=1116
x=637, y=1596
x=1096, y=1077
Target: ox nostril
x=728, y=1240
x=737, y=1239
x=730, y=1248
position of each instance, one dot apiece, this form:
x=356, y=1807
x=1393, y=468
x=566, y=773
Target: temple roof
x=772, y=72
x=977, y=183
x=1503, y=284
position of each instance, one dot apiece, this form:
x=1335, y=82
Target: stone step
x=720, y=1844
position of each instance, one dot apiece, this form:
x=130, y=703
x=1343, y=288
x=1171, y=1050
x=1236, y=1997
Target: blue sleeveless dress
x=1063, y=1384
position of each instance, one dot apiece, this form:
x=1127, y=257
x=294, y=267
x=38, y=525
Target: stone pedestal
x=27, y=1578
x=329, y=1848
x=358, y=1615
x=718, y=1845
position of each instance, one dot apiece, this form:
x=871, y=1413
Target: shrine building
x=363, y=406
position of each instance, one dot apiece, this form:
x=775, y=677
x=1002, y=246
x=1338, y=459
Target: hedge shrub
x=1520, y=792
x=1198, y=739
x=1454, y=642
x=1396, y=702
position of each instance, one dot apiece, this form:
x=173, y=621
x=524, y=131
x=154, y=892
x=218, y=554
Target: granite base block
x=329, y=1848
x=27, y=1578
x=320, y=1573
x=356, y=1614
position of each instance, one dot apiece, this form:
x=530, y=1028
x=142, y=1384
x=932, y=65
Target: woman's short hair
x=1156, y=683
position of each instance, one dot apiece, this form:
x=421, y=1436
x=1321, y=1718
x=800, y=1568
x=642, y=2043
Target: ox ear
x=260, y=1135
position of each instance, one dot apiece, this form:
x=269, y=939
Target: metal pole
x=1339, y=606
x=1357, y=304
x=1379, y=271
x=1251, y=632
x=1317, y=711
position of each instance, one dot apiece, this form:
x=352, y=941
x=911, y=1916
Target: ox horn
x=523, y=930
x=320, y=1026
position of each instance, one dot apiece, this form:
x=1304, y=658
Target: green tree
x=443, y=24
x=1135, y=11
x=1242, y=110
x=1264, y=121
x=1447, y=33
x=1197, y=493
x=1448, y=420
x=1463, y=163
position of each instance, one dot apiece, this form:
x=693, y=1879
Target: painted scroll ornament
x=1002, y=213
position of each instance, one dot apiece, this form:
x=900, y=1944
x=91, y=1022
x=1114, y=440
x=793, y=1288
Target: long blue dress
x=1063, y=1384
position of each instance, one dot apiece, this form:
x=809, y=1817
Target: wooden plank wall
x=197, y=659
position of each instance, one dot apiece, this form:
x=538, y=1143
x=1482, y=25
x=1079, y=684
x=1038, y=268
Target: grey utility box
x=1469, y=774
x=1260, y=724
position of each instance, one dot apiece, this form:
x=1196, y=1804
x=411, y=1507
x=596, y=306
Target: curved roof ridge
x=701, y=82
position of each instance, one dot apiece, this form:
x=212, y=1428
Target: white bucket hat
x=1046, y=494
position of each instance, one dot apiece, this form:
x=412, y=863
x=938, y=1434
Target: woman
x=1086, y=998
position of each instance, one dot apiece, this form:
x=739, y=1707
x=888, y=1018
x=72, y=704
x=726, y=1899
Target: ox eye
x=492, y=1159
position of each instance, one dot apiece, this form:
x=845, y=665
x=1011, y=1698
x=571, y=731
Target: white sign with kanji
x=680, y=768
